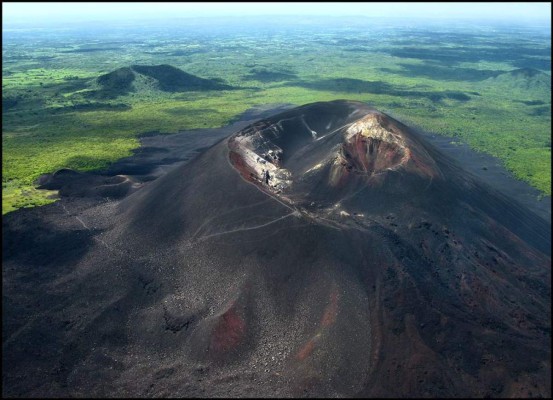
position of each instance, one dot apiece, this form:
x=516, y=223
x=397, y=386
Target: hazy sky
x=74, y=12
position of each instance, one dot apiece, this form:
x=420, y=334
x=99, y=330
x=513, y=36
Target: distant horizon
x=50, y=14
x=274, y=20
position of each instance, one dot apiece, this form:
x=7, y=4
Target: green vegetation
x=113, y=84
x=171, y=79
x=84, y=106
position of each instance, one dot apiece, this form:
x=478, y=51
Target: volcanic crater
x=299, y=156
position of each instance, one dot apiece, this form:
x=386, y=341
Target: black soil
x=196, y=282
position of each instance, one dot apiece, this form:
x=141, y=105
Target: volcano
x=328, y=250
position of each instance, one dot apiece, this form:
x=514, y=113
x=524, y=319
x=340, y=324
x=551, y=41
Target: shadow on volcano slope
x=325, y=251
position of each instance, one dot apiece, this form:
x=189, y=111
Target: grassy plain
x=486, y=85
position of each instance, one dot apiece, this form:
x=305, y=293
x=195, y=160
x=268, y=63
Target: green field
x=80, y=98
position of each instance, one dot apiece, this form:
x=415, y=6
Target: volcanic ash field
x=328, y=250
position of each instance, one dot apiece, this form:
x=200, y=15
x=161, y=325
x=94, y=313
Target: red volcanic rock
x=301, y=161
x=228, y=332
x=307, y=349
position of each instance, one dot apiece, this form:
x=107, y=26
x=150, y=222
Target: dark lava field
x=322, y=251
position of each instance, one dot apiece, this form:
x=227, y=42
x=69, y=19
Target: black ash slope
x=367, y=263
